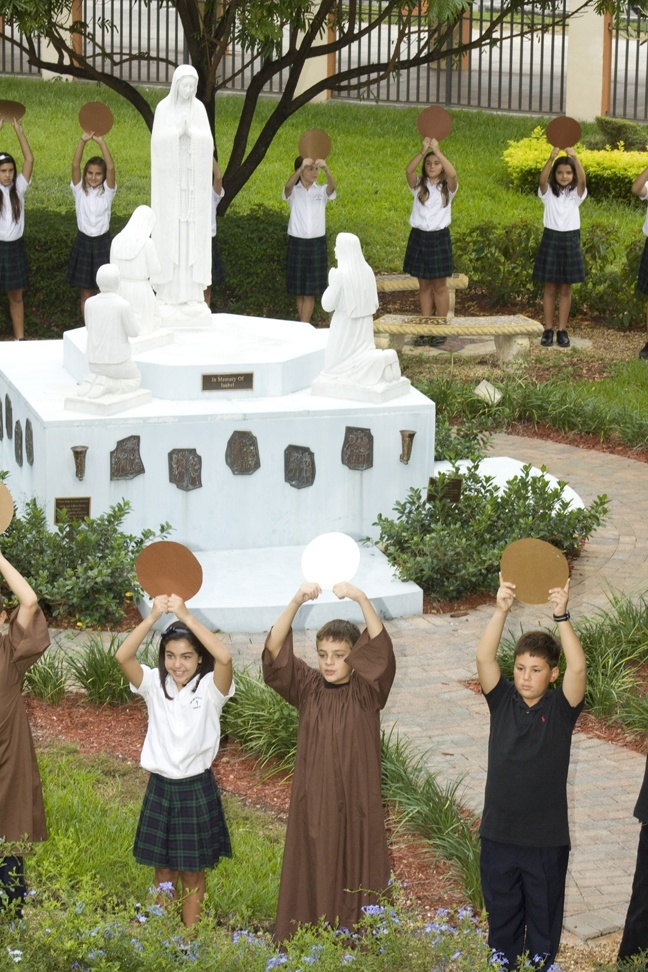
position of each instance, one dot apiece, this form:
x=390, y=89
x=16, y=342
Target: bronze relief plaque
x=8, y=416
x=125, y=459
x=185, y=468
x=18, y=443
x=299, y=466
x=29, y=442
x=242, y=453
x=357, y=448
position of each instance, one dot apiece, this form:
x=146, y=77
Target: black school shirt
x=528, y=760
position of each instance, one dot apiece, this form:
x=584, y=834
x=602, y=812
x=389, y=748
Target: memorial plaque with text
x=237, y=381
x=78, y=507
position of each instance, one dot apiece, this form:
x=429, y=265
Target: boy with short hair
x=335, y=857
x=524, y=829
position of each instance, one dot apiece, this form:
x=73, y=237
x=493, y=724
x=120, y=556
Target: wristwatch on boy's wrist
x=562, y=617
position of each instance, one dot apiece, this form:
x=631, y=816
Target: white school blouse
x=10, y=231
x=432, y=214
x=644, y=198
x=307, y=210
x=216, y=198
x=561, y=211
x=93, y=208
x=183, y=732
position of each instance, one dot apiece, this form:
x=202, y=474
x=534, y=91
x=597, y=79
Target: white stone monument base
x=181, y=315
x=383, y=392
x=151, y=340
x=108, y=404
x=246, y=590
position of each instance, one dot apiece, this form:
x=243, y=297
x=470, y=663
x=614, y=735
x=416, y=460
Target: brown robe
x=335, y=857
x=22, y=815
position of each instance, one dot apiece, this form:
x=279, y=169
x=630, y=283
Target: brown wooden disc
x=534, y=566
x=10, y=110
x=6, y=508
x=96, y=117
x=169, y=568
x=434, y=122
x=563, y=132
x=314, y=144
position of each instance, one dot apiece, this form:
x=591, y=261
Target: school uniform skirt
x=429, y=254
x=182, y=826
x=14, y=268
x=306, y=266
x=559, y=259
x=218, y=270
x=88, y=254
x=642, y=278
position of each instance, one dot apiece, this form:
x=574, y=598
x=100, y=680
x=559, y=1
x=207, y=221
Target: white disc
x=329, y=559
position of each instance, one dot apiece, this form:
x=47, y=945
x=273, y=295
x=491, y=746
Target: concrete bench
x=402, y=282
x=510, y=332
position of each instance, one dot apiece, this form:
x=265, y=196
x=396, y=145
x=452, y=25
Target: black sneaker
x=644, y=351
x=562, y=339
x=547, y=338
x=423, y=341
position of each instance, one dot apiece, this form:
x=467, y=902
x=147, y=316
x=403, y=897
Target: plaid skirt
x=306, y=266
x=14, y=269
x=88, y=254
x=559, y=259
x=182, y=826
x=642, y=278
x=429, y=254
x=218, y=270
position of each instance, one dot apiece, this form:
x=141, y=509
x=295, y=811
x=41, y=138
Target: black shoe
x=423, y=341
x=644, y=351
x=562, y=339
x=547, y=338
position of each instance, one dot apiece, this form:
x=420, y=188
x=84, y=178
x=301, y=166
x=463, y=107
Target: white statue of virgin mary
x=182, y=151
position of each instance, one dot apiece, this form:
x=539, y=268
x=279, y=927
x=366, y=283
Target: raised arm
x=575, y=678
x=125, y=654
x=78, y=156
x=639, y=185
x=108, y=159
x=546, y=171
x=410, y=172
x=488, y=670
x=373, y=623
x=295, y=177
x=218, y=178
x=448, y=169
x=209, y=640
x=28, y=155
x=330, y=181
x=581, y=180
x=27, y=600
x=307, y=592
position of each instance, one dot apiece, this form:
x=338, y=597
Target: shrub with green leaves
x=46, y=680
x=83, y=569
x=453, y=549
x=95, y=670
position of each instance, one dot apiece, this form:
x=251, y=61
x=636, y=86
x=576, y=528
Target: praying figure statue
x=133, y=252
x=182, y=150
x=353, y=367
x=110, y=321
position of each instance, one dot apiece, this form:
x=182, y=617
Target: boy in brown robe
x=22, y=815
x=335, y=857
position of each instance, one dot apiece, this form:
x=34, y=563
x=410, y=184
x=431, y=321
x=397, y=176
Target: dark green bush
x=617, y=132
x=454, y=549
x=82, y=569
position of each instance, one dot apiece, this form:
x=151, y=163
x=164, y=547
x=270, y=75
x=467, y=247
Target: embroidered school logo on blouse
x=195, y=703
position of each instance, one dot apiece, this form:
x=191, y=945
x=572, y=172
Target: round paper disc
x=96, y=117
x=329, y=559
x=6, y=508
x=563, y=132
x=10, y=110
x=314, y=144
x=168, y=568
x=434, y=122
x=534, y=566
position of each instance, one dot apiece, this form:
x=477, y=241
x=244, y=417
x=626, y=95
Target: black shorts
x=88, y=254
x=559, y=259
x=642, y=278
x=429, y=254
x=182, y=826
x=306, y=266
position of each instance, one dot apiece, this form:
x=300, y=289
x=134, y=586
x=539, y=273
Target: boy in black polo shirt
x=524, y=830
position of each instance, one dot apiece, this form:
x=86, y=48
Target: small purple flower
x=372, y=909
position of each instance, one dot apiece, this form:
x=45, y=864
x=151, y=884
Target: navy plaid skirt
x=218, y=270
x=559, y=259
x=429, y=254
x=182, y=826
x=88, y=254
x=306, y=266
x=14, y=269
x=642, y=278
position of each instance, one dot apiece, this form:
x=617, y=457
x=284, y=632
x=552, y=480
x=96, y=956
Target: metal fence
x=514, y=73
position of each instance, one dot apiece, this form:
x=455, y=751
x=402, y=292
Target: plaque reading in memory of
x=78, y=507
x=236, y=381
